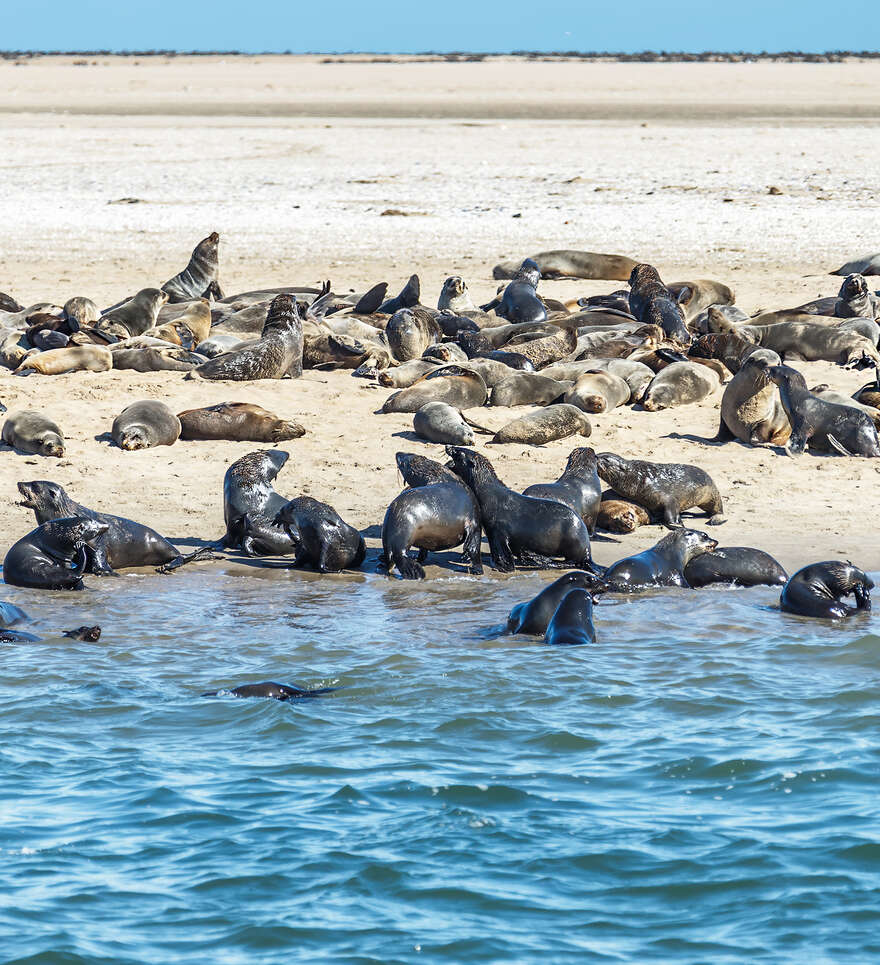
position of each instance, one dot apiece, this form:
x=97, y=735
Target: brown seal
x=199, y=278
x=135, y=316
x=558, y=421
x=653, y=303
x=77, y=358
x=565, y=263
x=621, y=516
x=237, y=421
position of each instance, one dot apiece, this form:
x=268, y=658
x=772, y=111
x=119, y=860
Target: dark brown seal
x=238, y=421
x=816, y=590
x=652, y=303
x=662, y=565
x=322, y=538
x=54, y=555
x=579, y=486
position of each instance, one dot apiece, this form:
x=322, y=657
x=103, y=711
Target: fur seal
x=446, y=353
x=637, y=375
x=662, y=565
x=751, y=409
x=598, y=392
x=451, y=325
x=217, y=345
x=46, y=339
x=122, y=544
x=822, y=425
x=247, y=490
x=728, y=347
x=870, y=394
x=238, y=421
x=452, y=384
x=135, y=316
x=59, y=361
x=406, y=374
x=816, y=590
x=278, y=351
x=866, y=265
x=734, y=564
x=811, y=342
x=666, y=490
x=534, y=615
x=520, y=302
x=454, y=296
x=621, y=516
x=694, y=297
x=439, y=422
x=681, y=383
x=88, y=634
x=856, y=300
x=408, y=298
x=579, y=486
x=558, y=421
x=520, y=528
x=321, y=537
x=152, y=359
x=547, y=350
x=192, y=325
x=145, y=424
x=9, y=304
x=572, y=623
x=437, y=512
x=53, y=556
x=270, y=689
x=566, y=263
x=827, y=394
x=653, y=303
x=199, y=278
x=30, y=431
x=80, y=311
x=410, y=331
x=526, y=388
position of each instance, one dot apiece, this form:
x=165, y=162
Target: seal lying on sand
x=439, y=512
x=866, y=265
x=60, y=361
x=452, y=384
x=734, y=564
x=122, y=542
x=664, y=489
x=238, y=421
x=521, y=528
x=534, y=615
x=30, y=431
x=145, y=424
x=662, y=565
x=578, y=487
x=322, y=538
x=53, y=556
x=572, y=623
x=815, y=590
x=546, y=425
x=572, y=264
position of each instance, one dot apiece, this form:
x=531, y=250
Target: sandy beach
x=294, y=162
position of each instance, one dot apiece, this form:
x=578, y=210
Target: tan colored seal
x=58, y=361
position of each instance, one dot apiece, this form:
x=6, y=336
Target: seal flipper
x=476, y=426
x=369, y=302
x=203, y=553
x=499, y=550
x=836, y=444
x=98, y=564
x=409, y=569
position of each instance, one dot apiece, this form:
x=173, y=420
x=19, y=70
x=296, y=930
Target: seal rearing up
x=652, y=303
x=815, y=590
x=521, y=528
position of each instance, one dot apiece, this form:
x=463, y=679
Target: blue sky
x=412, y=26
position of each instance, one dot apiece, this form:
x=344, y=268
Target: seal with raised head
x=520, y=302
x=662, y=565
x=452, y=384
x=856, y=300
x=32, y=432
x=200, y=277
x=277, y=352
x=123, y=543
x=572, y=623
x=727, y=347
x=816, y=590
x=145, y=424
x=579, y=486
x=666, y=490
x=135, y=316
x=73, y=358
x=54, y=555
x=822, y=425
x=534, y=615
x=80, y=311
x=742, y=565
x=322, y=538
x=558, y=421
x=751, y=409
x=567, y=263
x=248, y=491
x=238, y=421
x=437, y=512
x=454, y=296
x=521, y=528
x=652, y=303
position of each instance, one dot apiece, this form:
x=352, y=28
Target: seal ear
x=684, y=296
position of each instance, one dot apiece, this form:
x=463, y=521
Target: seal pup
x=31, y=432
x=547, y=350
x=816, y=590
x=533, y=616
x=822, y=425
x=664, y=489
x=60, y=361
x=751, y=409
x=653, y=303
x=662, y=565
x=238, y=421
x=452, y=384
x=406, y=374
x=439, y=422
x=681, y=383
x=557, y=421
x=521, y=528
x=248, y=491
x=124, y=543
x=572, y=623
x=53, y=556
x=200, y=277
x=145, y=424
x=437, y=512
x=742, y=565
x=135, y=316
x=520, y=302
x=567, y=263
x=270, y=689
x=870, y=394
x=278, y=351
x=621, y=515
x=407, y=298
x=579, y=486
x=322, y=538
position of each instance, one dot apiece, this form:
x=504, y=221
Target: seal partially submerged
x=53, y=556
x=572, y=623
x=534, y=615
x=662, y=565
x=816, y=590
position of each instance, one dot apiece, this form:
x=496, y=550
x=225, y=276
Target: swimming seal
x=270, y=689
x=238, y=421
x=145, y=424
x=742, y=565
x=437, y=512
x=87, y=634
x=565, y=263
x=53, y=556
x=579, y=486
x=822, y=425
x=277, y=352
x=135, y=316
x=30, y=431
x=572, y=623
x=558, y=421
x=520, y=302
x=322, y=538
x=200, y=277
x=123, y=542
x=816, y=590
x=664, y=489
x=662, y=565
x=247, y=491
x=534, y=615
x=652, y=303
x=521, y=528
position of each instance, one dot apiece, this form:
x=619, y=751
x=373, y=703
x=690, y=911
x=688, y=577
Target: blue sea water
x=701, y=785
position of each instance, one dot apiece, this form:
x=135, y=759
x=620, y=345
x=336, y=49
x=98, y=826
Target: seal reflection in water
x=816, y=590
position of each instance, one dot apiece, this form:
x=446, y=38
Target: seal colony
x=650, y=345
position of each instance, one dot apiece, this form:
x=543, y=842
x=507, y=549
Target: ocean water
x=699, y=786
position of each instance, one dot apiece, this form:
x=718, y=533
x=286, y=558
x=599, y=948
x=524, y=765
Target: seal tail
x=838, y=446
x=203, y=553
